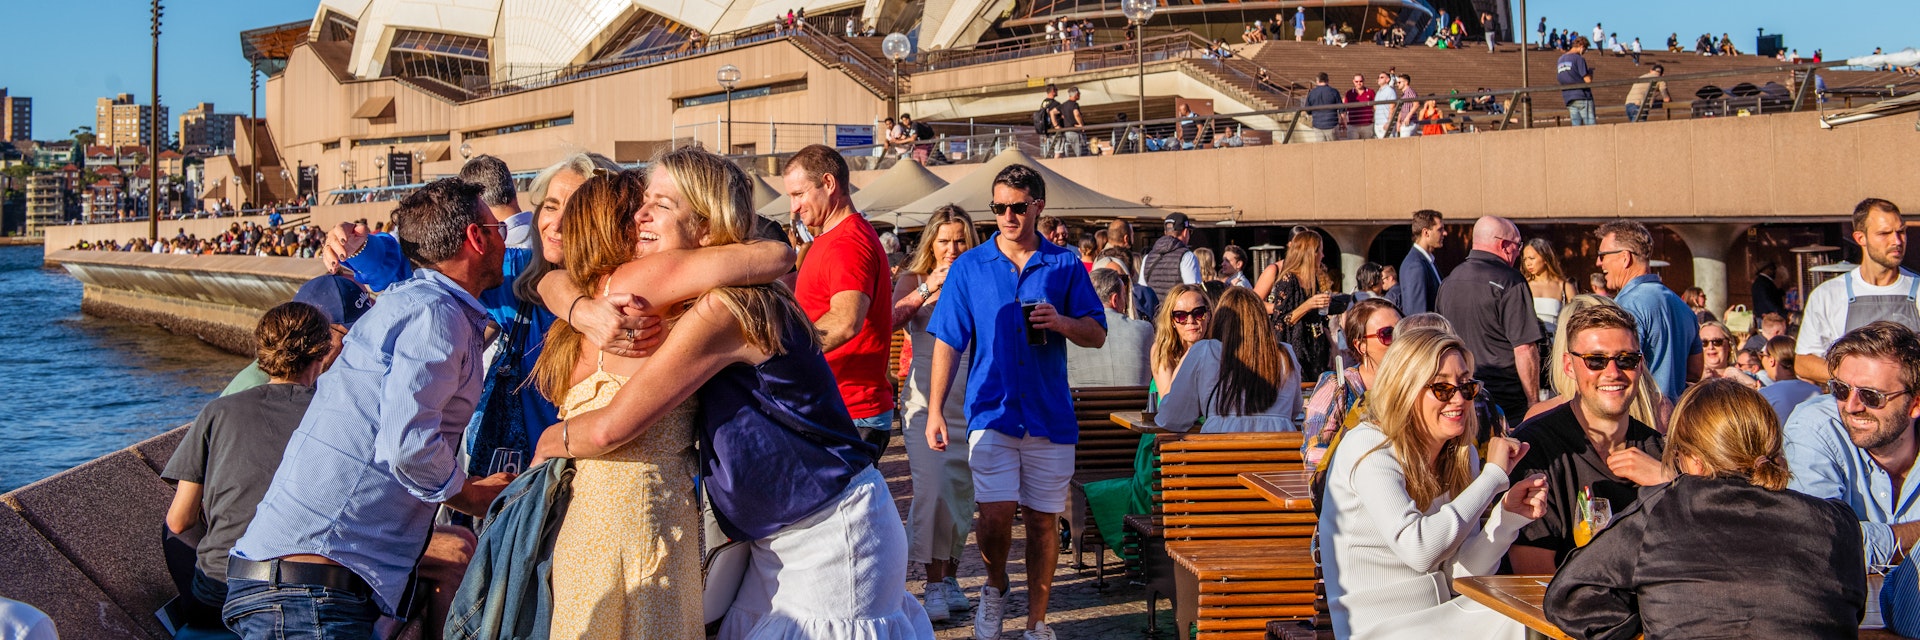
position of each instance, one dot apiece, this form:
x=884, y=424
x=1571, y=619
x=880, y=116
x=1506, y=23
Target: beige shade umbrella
x=1065, y=198
x=765, y=193
x=906, y=182
x=781, y=205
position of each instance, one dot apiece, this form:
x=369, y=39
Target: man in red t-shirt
x=845, y=287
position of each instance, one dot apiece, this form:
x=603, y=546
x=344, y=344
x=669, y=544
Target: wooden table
x=1291, y=490
x=1137, y=422
x=1517, y=597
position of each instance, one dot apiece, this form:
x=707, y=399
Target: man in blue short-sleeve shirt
x=1020, y=423
x=1669, y=330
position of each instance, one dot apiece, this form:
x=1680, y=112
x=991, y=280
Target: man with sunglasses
x=1020, y=424
x=1856, y=444
x=1589, y=442
x=1491, y=309
x=1876, y=290
x=1669, y=330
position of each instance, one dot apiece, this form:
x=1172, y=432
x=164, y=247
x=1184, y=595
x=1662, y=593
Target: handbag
x=725, y=568
x=499, y=421
x=1739, y=319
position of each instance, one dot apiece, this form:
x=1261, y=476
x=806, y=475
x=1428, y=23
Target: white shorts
x=1033, y=471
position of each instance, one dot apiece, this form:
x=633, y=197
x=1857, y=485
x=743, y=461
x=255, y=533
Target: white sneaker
x=956, y=599
x=986, y=619
x=1039, y=632
x=935, y=596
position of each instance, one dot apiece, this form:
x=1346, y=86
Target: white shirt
x=1383, y=111
x=1825, y=319
x=1390, y=565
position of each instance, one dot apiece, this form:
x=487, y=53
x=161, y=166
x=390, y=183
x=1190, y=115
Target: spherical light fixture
x=728, y=76
x=1138, y=11
x=896, y=46
x=466, y=151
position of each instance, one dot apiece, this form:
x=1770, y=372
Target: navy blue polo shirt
x=1015, y=388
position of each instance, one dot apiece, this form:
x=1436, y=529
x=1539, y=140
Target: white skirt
x=839, y=574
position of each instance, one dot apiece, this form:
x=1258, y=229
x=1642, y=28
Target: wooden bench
x=1239, y=560
x=1106, y=451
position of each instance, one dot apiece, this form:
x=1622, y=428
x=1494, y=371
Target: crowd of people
x=730, y=382
x=240, y=238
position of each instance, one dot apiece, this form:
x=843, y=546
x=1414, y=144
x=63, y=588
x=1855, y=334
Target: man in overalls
x=1877, y=290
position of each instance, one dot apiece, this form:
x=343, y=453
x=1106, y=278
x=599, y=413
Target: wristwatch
x=924, y=291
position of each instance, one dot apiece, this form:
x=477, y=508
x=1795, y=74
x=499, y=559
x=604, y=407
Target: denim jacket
x=506, y=592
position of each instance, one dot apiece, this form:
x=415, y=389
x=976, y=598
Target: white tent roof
x=1065, y=198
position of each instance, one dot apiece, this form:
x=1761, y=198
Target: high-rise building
x=120, y=122
x=16, y=117
x=205, y=133
x=46, y=201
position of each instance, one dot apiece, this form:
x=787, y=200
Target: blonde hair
x=720, y=196
x=1646, y=393
x=1209, y=266
x=1732, y=431
x=922, y=262
x=1167, y=348
x=1393, y=405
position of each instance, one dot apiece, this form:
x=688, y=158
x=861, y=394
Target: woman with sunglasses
x=1369, y=327
x=1182, y=321
x=1405, y=497
x=1716, y=355
x=1241, y=380
x=1723, y=549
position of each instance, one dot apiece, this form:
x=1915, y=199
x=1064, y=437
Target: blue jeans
x=258, y=611
x=876, y=430
x=1633, y=113
x=1581, y=112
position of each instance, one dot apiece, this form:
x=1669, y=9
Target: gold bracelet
x=564, y=443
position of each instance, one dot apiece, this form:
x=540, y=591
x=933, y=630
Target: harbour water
x=78, y=387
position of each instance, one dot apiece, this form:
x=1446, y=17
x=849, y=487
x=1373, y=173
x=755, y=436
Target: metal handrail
x=718, y=42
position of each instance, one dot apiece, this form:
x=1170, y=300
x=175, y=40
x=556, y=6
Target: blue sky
x=81, y=50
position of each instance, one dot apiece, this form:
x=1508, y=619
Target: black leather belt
x=279, y=572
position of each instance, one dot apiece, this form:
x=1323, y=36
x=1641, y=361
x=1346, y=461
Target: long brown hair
x=1252, y=363
x=1393, y=405
x=1303, y=262
x=599, y=231
x=1167, y=348
x=1732, y=430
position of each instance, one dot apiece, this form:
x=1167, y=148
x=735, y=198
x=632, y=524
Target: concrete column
x=1710, y=245
x=1354, y=240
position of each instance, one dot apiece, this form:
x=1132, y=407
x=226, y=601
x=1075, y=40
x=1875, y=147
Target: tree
x=83, y=137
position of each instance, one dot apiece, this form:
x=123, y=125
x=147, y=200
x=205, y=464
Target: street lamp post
x=728, y=76
x=1139, y=12
x=153, y=136
x=1526, y=99
x=896, y=47
x=380, y=165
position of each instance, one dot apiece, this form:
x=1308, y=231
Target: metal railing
x=718, y=42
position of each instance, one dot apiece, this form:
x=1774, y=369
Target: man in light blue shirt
x=1857, y=444
x=1669, y=331
x=334, y=543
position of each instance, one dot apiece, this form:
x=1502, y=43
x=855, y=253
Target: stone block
x=37, y=574
x=157, y=450
x=106, y=517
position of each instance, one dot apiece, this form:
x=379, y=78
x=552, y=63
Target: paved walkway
x=1078, y=610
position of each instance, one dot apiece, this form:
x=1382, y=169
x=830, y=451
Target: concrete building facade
x=119, y=121
x=204, y=132
x=16, y=117
x=46, y=202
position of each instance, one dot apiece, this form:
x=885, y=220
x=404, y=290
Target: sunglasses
x=1018, y=208
x=1872, y=398
x=1603, y=255
x=1384, y=335
x=1714, y=342
x=1197, y=314
x=1628, y=360
x=1443, y=391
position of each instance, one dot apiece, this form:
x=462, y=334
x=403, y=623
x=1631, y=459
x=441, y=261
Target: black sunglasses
x=1628, y=360
x=1873, y=398
x=1197, y=314
x=1018, y=208
x=1444, y=391
x=1714, y=342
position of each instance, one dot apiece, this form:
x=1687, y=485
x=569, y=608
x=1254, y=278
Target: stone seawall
x=217, y=299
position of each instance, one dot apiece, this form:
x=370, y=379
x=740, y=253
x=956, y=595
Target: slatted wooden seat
x=1106, y=450
x=1240, y=560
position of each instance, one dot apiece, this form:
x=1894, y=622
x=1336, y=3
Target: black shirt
x=232, y=450
x=1560, y=449
x=1070, y=114
x=1051, y=107
x=1491, y=308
